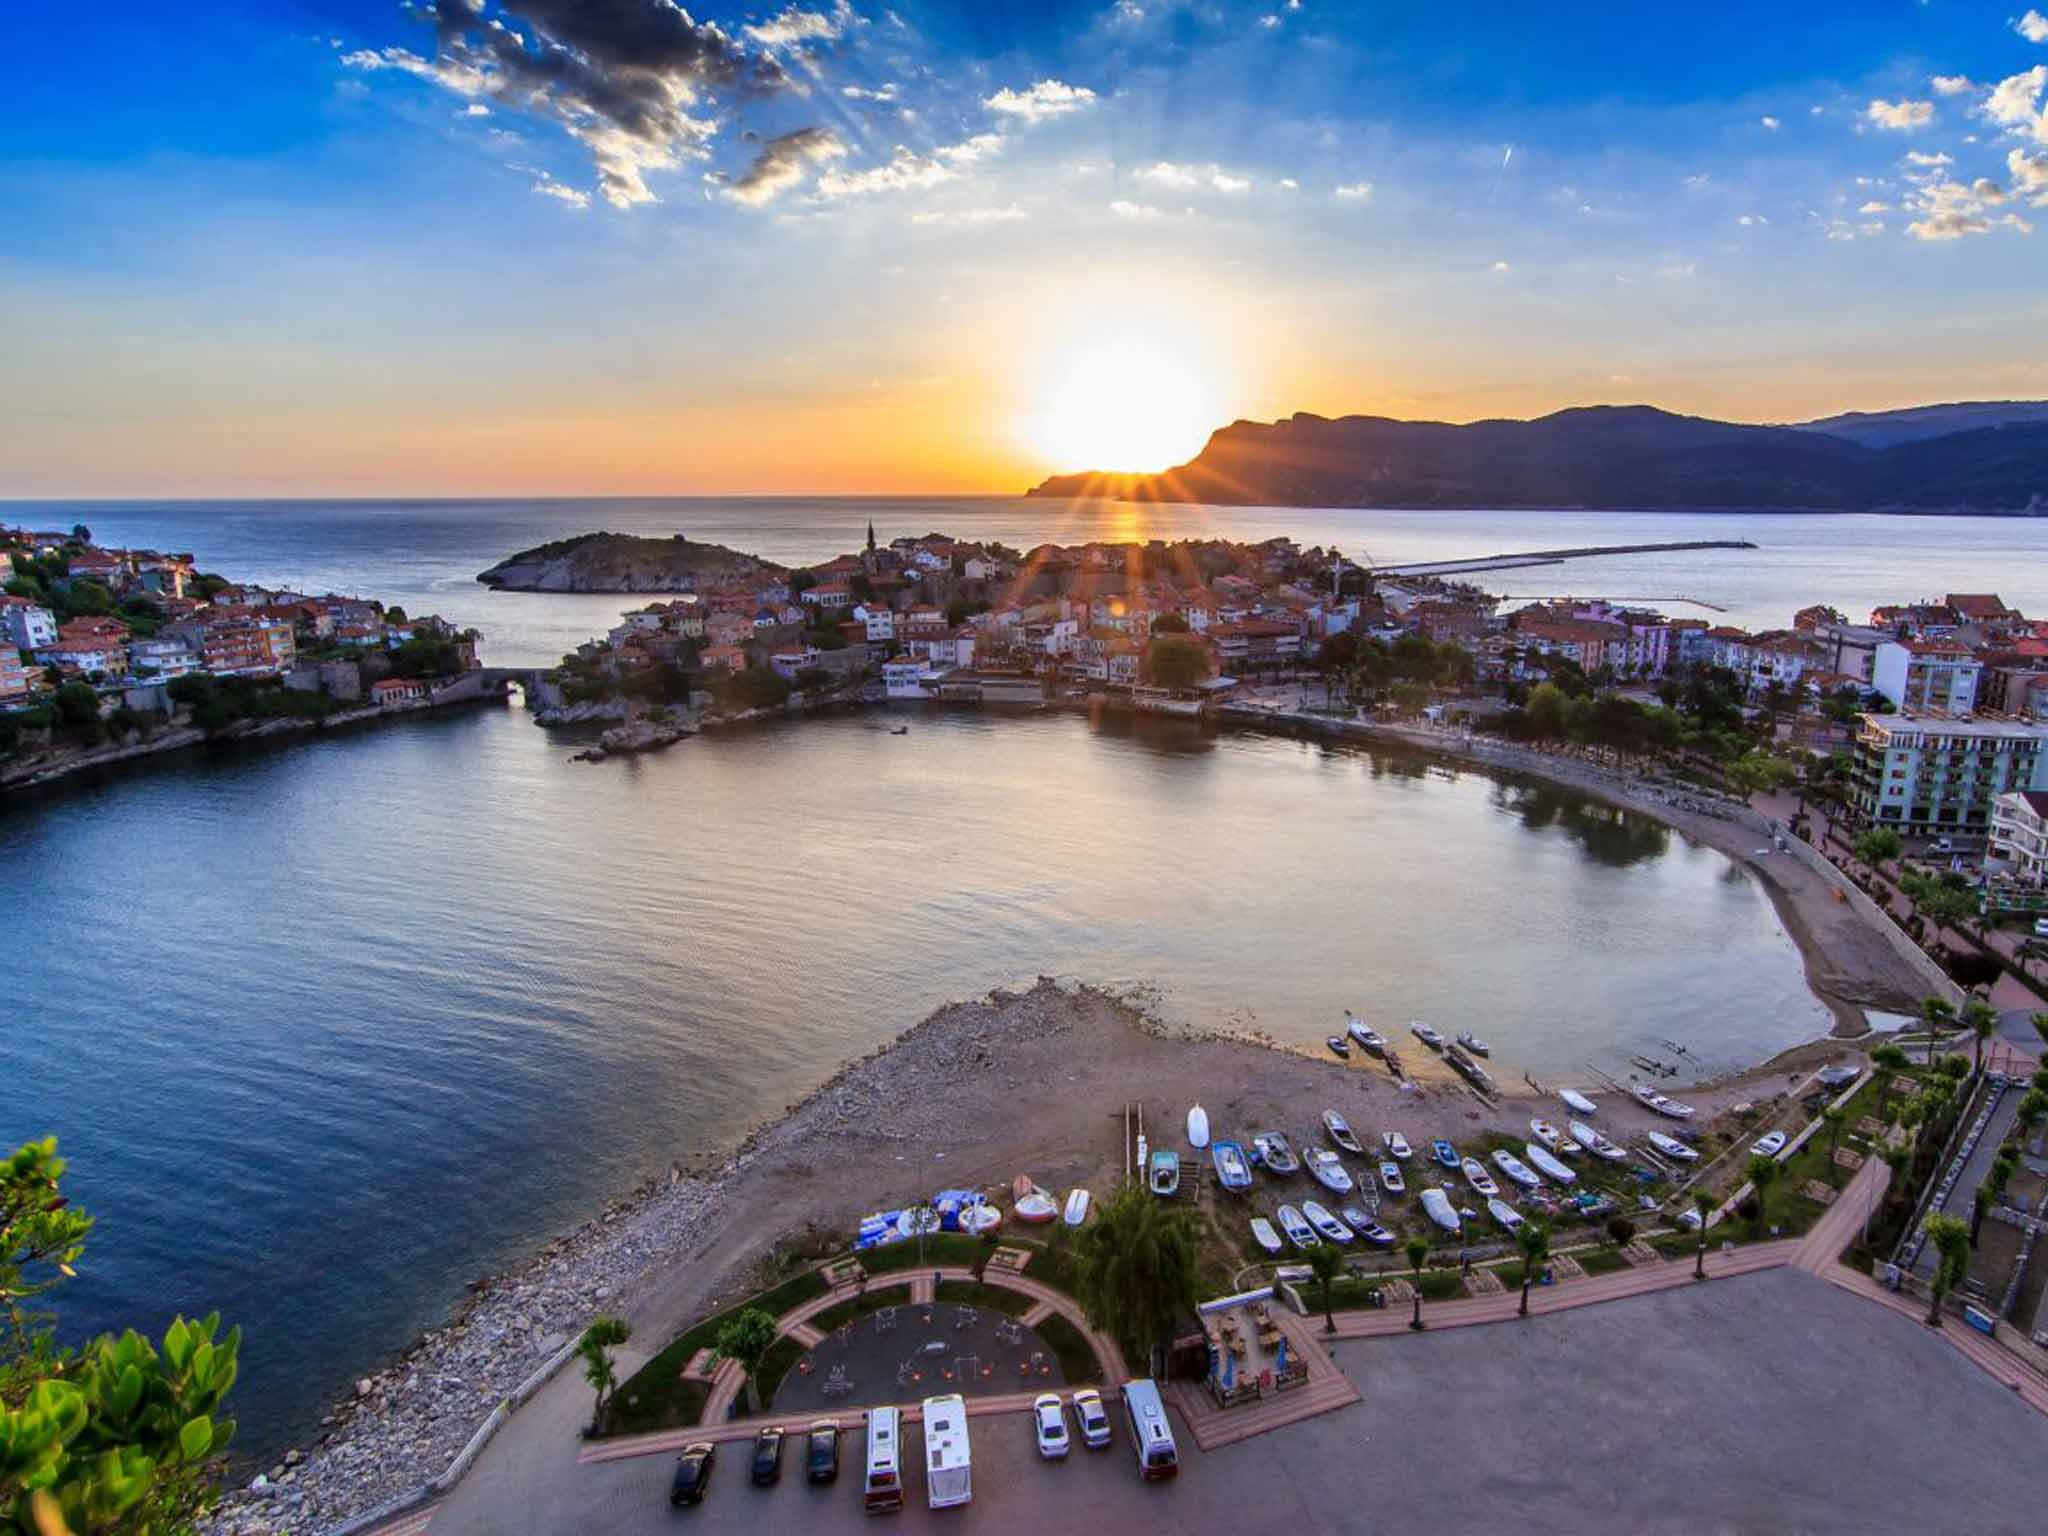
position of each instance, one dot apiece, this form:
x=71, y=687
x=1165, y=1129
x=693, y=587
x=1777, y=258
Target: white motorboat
x=1369, y=1039
x=1396, y=1145
x=1232, y=1171
x=1036, y=1208
x=1164, y=1173
x=1547, y=1165
x=1325, y=1224
x=1077, y=1207
x=1474, y=1044
x=1340, y=1131
x=1477, y=1176
x=1437, y=1205
x=1264, y=1235
x=1672, y=1147
x=977, y=1219
x=1372, y=1232
x=1426, y=1035
x=1390, y=1176
x=1198, y=1127
x=1515, y=1168
x=1661, y=1104
x=1508, y=1217
x=1545, y=1132
x=1299, y=1232
x=1272, y=1151
x=1594, y=1142
x=1577, y=1102
x=1329, y=1171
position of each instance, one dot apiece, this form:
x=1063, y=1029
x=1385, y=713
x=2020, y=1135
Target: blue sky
x=562, y=246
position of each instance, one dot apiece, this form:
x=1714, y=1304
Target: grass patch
x=777, y=1364
x=1441, y=1284
x=940, y=1249
x=1077, y=1360
x=657, y=1397
x=990, y=1298
x=1600, y=1261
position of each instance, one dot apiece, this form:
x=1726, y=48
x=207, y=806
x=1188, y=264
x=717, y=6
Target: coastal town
x=108, y=654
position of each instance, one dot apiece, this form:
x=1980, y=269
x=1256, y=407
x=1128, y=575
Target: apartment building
x=1927, y=675
x=2019, y=836
x=1938, y=773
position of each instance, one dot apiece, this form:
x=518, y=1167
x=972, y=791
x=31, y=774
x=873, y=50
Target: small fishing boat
x=1329, y=1171
x=1164, y=1174
x=1508, y=1217
x=1264, y=1235
x=1664, y=1106
x=1035, y=1207
x=1477, y=1176
x=1299, y=1232
x=1272, y=1151
x=1325, y=1224
x=1437, y=1205
x=1515, y=1168
x=901, y=730
x=1672, y=1147
x=1426, y=1035
x=1340, y=1131
x=1340, y=1045
x=1198, y=1127
x=977, y=1219
x=1396, y=1145
x=1549, y=1166
x=1468, y=1069
x=1390, y=1176
x=1370, y=1040
x=1577, y=1101
x=1445, y=1154
x=1232, y=1171
x=1594, y=1142
x=1372, y=1232
x=1474, y=1044
x=1545, y=1132
x=1077, y=1207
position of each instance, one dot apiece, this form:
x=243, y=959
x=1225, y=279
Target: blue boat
x=1444, y=1153
x=1232, y=1171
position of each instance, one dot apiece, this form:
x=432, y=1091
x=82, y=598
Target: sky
x=458, y=247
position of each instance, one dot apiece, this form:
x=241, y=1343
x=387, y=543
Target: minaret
x=869, y=562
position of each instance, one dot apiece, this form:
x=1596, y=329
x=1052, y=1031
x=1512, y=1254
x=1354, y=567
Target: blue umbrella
x=1280, y=1356
x=1229, y=1370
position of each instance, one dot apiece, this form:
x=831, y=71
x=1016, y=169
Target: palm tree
x=1135, y=1270
x=1887, y=1059
x=1763, y=1173
x=1324, y=1263
x=1980, y=1019
x=1704, y=1202
x=1980, y=1203
x=604, y=1334
x=1835, y=1117
x=1935, y=1012
x=1417, y=1250
x=745, y=1340
x=1533, y=1238
x=1952, y=1237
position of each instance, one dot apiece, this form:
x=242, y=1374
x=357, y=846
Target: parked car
x=2041, y=927
x=1049, y=1417
x=767, y=1457
x=693, y=1474
x=1942, y=845
x=821, y=1457
x=1092, y=1417
x=1771, y=1145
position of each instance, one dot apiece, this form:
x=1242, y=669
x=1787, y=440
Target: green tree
x=1533, y=1238
x=77, y=705
x=117, y=1438
x=1134, y=1269
x=1417, y=1250
x=1169, y=624
x=1935, y=1012
x=1834, y=1117
x=1763, y=1173
x=1546, y=709
x=1887, y=1059
x=745, y=1339
x=604, y=1334
x=1981, y=1020
x=1951, y=1237
x=2040, y=1023
x=1878, y=846
x=1176, y=661
x=1324, y=1263
x=1704, y=1202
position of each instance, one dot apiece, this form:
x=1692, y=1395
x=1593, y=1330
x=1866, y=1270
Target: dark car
x=767, y=1457
x=693, y=1474
x=821, y=1455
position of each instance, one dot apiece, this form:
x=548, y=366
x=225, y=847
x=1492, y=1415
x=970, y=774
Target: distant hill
x=1592, y=456
x=620, y=562
x=1886, y=429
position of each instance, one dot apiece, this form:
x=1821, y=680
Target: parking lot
x=1773, y=1402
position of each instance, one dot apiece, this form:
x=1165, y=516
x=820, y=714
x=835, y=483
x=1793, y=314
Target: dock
x=1514, y=560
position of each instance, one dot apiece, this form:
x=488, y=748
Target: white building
x=162, y=658
x=880, y=622
x=905, y=678
x=1926, y=675
x=2019, y=836
x=1940, y=773
x=25, y=625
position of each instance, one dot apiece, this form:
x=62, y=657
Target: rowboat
x=1077, y=1207
x=1299, y=1232
x=1477, y=1176
x=1264, y=1235
x=1426, y=1035
x=1329, y=1171
x=1396, y=1145
x=1036, y=1208
x=1577, y=1101
x=1232, y=1171
x=1390, y=1176
x=1515, y=1168
x=1444, y=1153
x=1198, y=1127
x=1339, y=1044
x=1672, y=1147
x=1325, y=1224
x=1594, y=1142
x=1508, y=1217
x=1372, y=1232
x=1663, y=1106
x=977, y=1219
x=1164, y=1174
x=1438, y=1206
x=1474, y=1044
x=1545, y=1132
x=1368, y=1039
x=1271, y=1150
x=1340, y=1131
x=1549, y=1166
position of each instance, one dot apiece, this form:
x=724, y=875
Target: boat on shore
x=1426, y=1035
x=1506, y=1215
x=1391, y=1179
x=1370, y=1040
x=1545, y=1132
x=977, y=1219
x=1232, y=1171
x=1477, y=1176
x=1515, y=1168
x=1298, y=1231
x=1340, y=1132
x=1662, y=1105
x=1672, y=1147
x=1198, y=1127
x=1273, y=1152
x=1326, y=1225
x=1077, y=1207
x=1339, y=1045
x=1163, y=1176
x=1469, y=1069
x=1444, y=1153
x=1396, y=1145
x=1438, y=1207
x=1547, y=1165
x=1577, y=1102
x=1329, y=1171
x=1034, y=1207
x=1594, y=1142
x=1474, y=1044
x=1264, y=1235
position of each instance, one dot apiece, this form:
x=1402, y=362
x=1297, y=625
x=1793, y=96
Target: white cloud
x=1046, y=99
x=1184, y=178
x=783, y=162
x=574, y=197
x=1696, y=180
x=2011, y=102
x=1953, y=85
x=475, y=109
x=1269, y=21
x=1288, y=184
x=1771, y=123
x=1354, y=191
x=1949, y=210
x=1501, y=266
x=1899, y=116
x=1750, y=220
x=793, y=28
x=1922, y=160
x=908, y=170
x=884, y=92
x=1008, y=215
x=1166, y=174
x=1123, y=208
x=1874, y=206
x=2029, y=172
x=2033, y=27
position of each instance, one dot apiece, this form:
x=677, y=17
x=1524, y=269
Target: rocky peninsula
x=619, y=562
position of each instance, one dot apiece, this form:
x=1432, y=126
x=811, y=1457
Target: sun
x=1126, y=405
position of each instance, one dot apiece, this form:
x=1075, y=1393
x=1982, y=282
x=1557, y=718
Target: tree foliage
x=745, y=1339
x=1135, y=1270
x=604, y=1334
x=1176, y=661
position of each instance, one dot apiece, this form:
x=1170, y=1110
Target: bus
x=948, y=1460
x=882, y=1492
x=1150, y=1433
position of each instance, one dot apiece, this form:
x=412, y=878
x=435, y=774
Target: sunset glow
x=1125, y=405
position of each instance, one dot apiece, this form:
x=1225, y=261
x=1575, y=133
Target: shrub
x=1620, y=1231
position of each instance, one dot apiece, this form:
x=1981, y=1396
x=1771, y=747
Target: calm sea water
x=331, y=1029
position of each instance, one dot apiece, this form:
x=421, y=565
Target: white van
x=948, y=1460
x=882, y=1492
x=1150, y=1433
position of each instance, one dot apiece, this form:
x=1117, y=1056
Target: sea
x=332, y=1028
